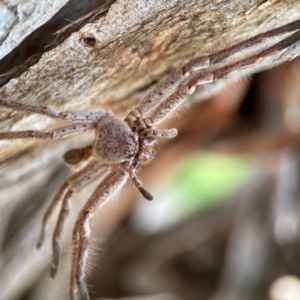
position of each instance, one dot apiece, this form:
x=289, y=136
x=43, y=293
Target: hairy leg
x=74, y=157
x=90, y=116
x=59, y=196
x=208, y=76
x=53, y=134
x=81, y=233
x=237, y=48
x=166, y=87
x=92, y=172
x=169, y=85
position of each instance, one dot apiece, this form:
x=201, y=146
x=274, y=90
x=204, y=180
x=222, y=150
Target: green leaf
x=204, y=179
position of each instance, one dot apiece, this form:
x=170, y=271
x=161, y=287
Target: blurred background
x=224, y=223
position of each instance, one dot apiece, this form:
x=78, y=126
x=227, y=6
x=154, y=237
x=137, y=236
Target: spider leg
x=208, y=76
x=76, y=156
x=81, y=233
x=58, y=197
x=68, y=115
x=169, y=85
x=234, y=67
x=53, y=134
x=166, y=133
x=166, y=87
x=60, y=193
x=237, y=48
x=91, y=172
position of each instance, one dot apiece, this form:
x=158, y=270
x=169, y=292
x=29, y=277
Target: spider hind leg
x=110, y=185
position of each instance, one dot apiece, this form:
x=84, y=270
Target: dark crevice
x=46, y=38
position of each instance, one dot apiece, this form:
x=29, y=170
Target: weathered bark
x=136, y=42
x=20, y=20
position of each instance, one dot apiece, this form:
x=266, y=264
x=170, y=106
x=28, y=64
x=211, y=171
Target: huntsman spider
x=121, y=147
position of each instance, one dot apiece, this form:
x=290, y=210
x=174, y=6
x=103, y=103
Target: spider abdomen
x=114, y=141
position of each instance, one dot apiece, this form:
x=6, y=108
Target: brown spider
x=120, y=147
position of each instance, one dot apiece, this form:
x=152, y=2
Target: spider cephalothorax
x=119, y=142
x=120, y=147
x=114, y=141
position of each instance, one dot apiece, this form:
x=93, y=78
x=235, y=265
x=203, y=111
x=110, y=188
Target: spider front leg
x=166, y=87
x=81, y=233
x=166, y=90
x=171, y=103
x=171, y=83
